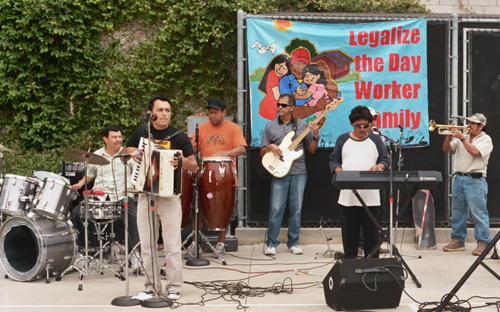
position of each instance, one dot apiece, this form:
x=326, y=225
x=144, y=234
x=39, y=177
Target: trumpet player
x=472, y=152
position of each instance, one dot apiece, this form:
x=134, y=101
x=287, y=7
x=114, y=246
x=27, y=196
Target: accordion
x=167, y=182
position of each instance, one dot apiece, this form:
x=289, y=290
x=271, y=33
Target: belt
x=475, y=175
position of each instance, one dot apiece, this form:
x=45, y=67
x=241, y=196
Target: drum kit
x=38, y=236
x=38, y=239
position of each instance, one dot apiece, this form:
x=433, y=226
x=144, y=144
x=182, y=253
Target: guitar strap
x=294, y=127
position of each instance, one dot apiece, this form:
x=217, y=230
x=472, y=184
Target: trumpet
x=445, y=129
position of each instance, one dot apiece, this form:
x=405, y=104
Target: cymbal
x=91, y=158
x=3, y=148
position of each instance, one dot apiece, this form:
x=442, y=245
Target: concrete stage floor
x=300, y=275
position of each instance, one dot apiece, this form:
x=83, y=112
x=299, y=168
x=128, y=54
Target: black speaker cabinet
x=357, y=284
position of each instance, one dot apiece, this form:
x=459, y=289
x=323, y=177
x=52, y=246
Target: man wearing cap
x=218, y=137
x=293, y=82
x=289, y=188
x=470, y=190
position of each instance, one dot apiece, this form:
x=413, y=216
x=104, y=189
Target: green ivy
x=70, y=67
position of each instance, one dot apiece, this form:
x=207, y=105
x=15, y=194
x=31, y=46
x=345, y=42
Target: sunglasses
x=282, y=105
x=361, y=126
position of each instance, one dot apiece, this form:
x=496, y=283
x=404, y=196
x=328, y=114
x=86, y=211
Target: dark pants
x=354, y=218
x=78, y=220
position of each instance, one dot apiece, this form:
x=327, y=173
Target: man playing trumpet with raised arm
x=472, y=152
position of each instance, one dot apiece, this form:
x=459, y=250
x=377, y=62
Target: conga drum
x=186, y=195
x=217, y=178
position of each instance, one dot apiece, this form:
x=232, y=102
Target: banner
x=379, y=65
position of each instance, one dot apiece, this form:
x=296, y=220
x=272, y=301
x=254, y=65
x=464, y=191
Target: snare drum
x=217, y=178
x=54, y=199
x=102, y=210
x=18, y=193
x=31, y=246
x=186, y=195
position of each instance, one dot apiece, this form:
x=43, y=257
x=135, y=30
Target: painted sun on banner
x=379, y=65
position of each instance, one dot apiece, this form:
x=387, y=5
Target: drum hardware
x=87, y=158
x=5, y=149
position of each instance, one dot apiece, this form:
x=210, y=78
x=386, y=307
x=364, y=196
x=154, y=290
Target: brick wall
x=463, y=6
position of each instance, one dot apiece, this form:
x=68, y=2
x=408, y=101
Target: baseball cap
x=477, y=118
x=217, y=103
x=300, y=55
x=373, y=112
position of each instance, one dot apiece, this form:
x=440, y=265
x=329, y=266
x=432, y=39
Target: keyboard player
x=359, y=149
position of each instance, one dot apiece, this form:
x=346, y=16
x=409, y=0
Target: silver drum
x=30, y=247
x=102, y=210
x=54, y=198
x=18, y=193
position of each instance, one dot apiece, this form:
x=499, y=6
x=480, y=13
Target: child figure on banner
x=316, y=83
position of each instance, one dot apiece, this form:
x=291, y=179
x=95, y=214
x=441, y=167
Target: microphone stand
x=127, y=300
x=156, y=301
x=196, y=261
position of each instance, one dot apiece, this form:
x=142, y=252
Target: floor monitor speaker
x=357, y=284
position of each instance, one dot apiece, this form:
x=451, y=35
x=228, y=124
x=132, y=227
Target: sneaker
x=481, y=246
x=190, y=251
x=144, y=295
x=174, y=295
x=361, y=253
x=135, y=261
x=455, y=245
x=296, y=250
x=220, y=249
x=270, y=251
x=382, y=251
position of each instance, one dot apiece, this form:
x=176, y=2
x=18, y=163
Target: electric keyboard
x=375, y=180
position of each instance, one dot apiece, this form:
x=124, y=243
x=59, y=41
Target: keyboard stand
x=383, y=234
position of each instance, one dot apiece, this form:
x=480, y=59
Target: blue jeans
x=291, y=188
x=470, y=194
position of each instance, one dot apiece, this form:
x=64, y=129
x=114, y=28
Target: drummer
x=218, y=137
x=110, y=179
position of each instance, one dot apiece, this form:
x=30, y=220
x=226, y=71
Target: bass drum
x=30, y=247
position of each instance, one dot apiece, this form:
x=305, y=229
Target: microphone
x=92, y=192
x=400, y=127
x=377, y=130
x=151, y=116
x=132, y=154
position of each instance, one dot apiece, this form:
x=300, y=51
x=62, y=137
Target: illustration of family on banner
x=379, y=65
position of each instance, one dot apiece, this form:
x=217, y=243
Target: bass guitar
x=280, y=166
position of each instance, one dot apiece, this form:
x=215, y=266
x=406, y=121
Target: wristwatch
x=462, y=139
x=316, y=139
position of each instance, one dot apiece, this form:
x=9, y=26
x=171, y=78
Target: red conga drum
x=217, y=178
x=186, y=195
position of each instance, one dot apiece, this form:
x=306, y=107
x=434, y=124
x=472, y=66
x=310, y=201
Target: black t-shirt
x=179, y=141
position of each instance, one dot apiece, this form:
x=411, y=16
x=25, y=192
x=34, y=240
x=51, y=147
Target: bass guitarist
x=291, y=186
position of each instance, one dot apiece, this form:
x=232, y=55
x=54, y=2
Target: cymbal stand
x=84, y=271
x=329, y=252
x=197, y=261
x=156, y=301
